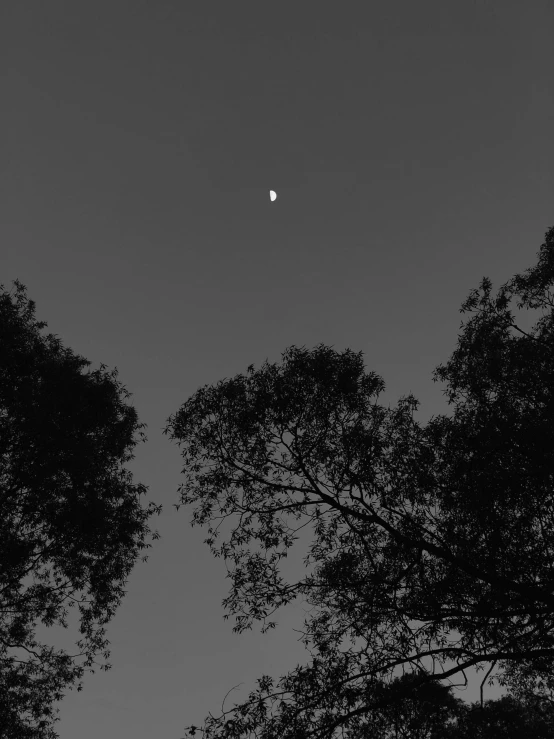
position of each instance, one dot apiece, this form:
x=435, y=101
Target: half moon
x=272, y=195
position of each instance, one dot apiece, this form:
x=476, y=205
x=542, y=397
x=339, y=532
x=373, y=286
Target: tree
x=505, y=718
x=449, y=524
x=432, y=712
x=69, y=515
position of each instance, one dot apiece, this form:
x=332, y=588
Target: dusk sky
x=410, y=146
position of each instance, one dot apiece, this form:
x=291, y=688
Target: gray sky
x=410, y=145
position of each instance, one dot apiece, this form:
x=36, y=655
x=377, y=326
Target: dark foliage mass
x=448, y=524
x=70, y=516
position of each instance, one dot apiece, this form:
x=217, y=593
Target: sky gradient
x=410, y=145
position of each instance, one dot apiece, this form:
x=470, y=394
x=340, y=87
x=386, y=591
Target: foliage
x=69, y=515
x=448, y=525
x=505, y=718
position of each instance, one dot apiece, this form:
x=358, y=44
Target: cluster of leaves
x=70, y=516
x=449, y=525
x=430, y=711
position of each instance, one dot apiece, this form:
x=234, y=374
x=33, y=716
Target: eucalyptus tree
x=418, y=531
x=70, y=515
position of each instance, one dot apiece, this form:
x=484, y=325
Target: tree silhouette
x=448, y=524
x=69, y=515
x=432, y=712
x=505, y=718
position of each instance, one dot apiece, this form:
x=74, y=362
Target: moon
x=272, y=195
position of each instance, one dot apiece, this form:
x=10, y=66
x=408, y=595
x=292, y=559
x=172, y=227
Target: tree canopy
x=447, y=524
x=70, y=516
